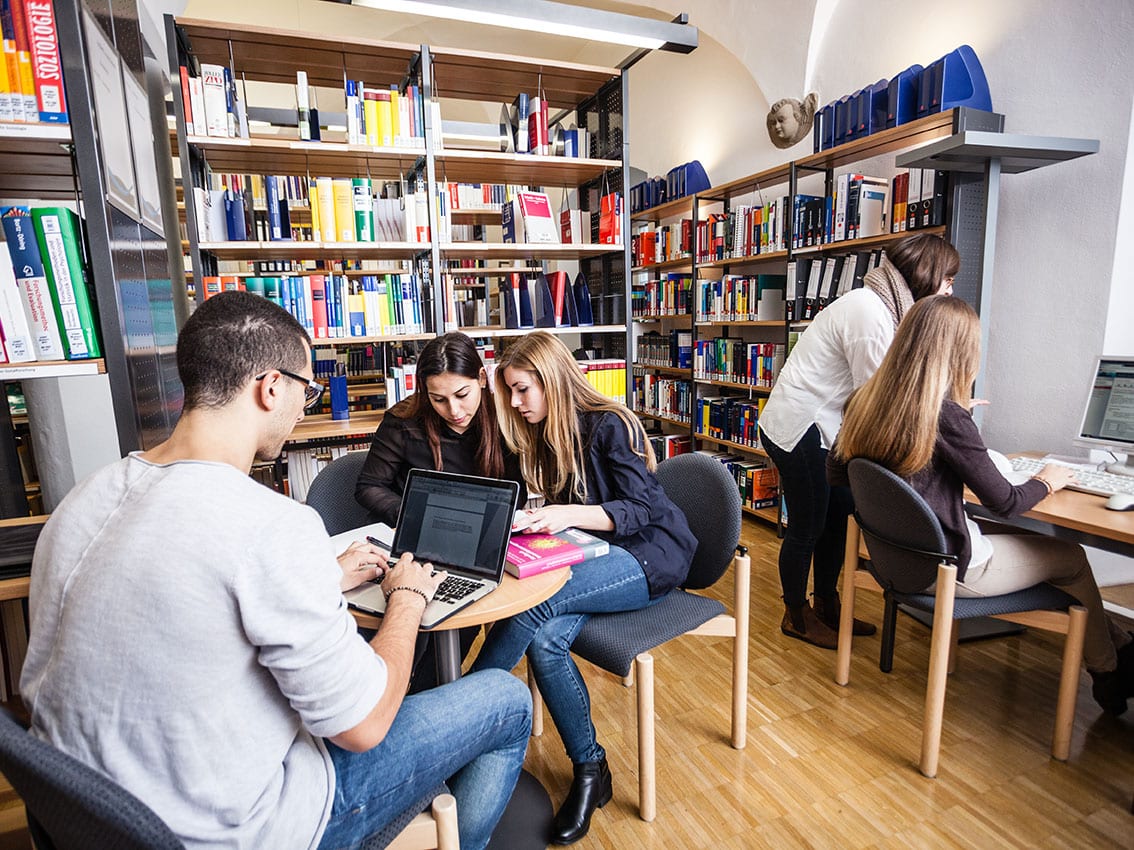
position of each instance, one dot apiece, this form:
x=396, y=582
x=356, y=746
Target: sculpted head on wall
x=789, y=120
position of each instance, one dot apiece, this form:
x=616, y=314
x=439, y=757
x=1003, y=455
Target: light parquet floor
x=832, y=767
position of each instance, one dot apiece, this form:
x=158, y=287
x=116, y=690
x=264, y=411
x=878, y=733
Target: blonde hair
x=552, y=454
x=892, y=419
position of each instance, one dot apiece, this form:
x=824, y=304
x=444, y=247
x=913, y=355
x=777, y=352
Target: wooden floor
x=831, y=767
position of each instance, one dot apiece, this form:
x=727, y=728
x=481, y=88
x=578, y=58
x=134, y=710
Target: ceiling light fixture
x=552, y=18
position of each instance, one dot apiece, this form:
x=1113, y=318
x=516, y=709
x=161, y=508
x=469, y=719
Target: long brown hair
x=455, y=353
x=924, y=260
x=552, y=454
x=892, y=419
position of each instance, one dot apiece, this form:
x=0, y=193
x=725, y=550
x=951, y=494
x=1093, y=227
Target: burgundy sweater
x=960, y=458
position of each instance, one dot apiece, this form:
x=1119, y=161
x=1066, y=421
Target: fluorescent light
x=552, y=18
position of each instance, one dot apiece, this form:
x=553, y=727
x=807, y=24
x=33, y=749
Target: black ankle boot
x=828, y=610
x=590, y=790
x=1109, y=692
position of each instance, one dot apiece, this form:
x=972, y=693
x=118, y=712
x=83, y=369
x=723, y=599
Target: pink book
x=532, y=554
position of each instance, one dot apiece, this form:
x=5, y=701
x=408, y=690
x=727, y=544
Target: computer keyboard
x=1086, y=481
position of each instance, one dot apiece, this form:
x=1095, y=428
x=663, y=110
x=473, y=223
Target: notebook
x=459, y=523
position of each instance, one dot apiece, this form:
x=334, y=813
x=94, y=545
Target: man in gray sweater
x=190, y=640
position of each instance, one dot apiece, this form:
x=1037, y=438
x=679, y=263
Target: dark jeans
x=817, y=518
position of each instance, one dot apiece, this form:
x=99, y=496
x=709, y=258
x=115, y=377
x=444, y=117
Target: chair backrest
x=902, y=533
x=710, y=499
x=331, y=494
x=72, y=806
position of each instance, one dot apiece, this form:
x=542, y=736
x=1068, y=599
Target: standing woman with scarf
x=837, y=354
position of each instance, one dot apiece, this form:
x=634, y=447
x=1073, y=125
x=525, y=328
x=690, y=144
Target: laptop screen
x=457, y=521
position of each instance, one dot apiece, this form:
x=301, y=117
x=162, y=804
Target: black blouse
x=646, y=523
x=400, y=444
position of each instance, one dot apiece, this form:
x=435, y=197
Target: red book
x=558, y=282
x=532, y=554
x=43, y=43
x=319, y=305
x=190, y=128
x=212, y=285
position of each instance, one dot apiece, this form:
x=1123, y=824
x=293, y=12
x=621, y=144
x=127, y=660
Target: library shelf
x=750, y=260
x=286, y=249
x=475, y=216
x=498, y=331
x=500, y=271
x=733, y=385
x=468, y=166
x=747, y=185
x=524, y=250
x=668, y=420
x=771, y=514
x=669, y=209
x=741, y=447
x=322, y=426
x=671, y=371
x=366, y=340
x=293, y=156
x=914, y=133
x=51, y=369
x=740, y=323
x=662, y=317
x=36, y=161
x=865, y=243
x=668, y=265
x=367, y=389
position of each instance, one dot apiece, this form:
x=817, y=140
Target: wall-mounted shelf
x=969, y=150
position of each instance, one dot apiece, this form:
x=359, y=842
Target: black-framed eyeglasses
x=313, y=391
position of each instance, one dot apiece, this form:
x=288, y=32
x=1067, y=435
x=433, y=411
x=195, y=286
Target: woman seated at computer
x=589, y=457
x=913, y=417
x=448, y=424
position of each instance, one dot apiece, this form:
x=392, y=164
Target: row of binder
x=546, y=301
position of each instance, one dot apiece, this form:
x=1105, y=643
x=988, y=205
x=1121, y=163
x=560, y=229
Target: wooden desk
x=512, y=597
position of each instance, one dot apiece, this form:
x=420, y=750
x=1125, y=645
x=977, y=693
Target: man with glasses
x=190, y=640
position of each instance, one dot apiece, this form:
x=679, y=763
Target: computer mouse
x=1120, y=502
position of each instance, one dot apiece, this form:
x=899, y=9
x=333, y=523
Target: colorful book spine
x=363, y=209
x=35, y=294
x=25, y=86
x=18, y=344
x=47, y=67
x=59, y=234
x=533, y=554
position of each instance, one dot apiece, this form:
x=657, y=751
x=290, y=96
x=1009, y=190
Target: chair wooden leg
x=889, y=629
x=742, y=574
x=938, y=669
x=954, y=642
x=647, y=791
x=1069, y=682
x=846, y=620
x=628, y=679
x=537, y=704
x=445, y=813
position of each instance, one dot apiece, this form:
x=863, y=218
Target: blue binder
x=959, y=80
x=582, y=294
x=901, y=99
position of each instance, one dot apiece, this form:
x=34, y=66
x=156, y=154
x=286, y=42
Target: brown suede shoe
x=829, y=610
x=802, y=624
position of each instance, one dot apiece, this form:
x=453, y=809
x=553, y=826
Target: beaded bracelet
x=394, y=590
x=1045, y=483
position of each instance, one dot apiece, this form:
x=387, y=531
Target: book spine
x=23, y=90
x=272, y=202
x=58, y=233
x=186, y=105
x=363, y=209
x=43, y=45
x=326, y=198
x=35, y=295
x=18, y=344
x=343, y=198
x=11, y=104
x=213, y=96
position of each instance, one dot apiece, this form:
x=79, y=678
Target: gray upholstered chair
x=708, y=496
x=905, y=547
x=332, y=494
x=71, y=806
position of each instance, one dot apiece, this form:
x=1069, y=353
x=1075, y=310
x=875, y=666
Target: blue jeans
x=817, y=519
x=614, y=582
x=472, y=733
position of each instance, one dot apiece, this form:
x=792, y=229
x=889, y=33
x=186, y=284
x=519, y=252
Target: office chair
x=708, y=496
x=332, y=494
x=906, y=549
x=71, y=806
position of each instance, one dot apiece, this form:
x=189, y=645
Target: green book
x=272, y=290
x=59, y=234
x=363, y=209
x=255, y=285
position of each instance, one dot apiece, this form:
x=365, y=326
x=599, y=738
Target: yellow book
x=5, y=98
x=357, y=304
x=344, y=209
x=326, y=193
x=384, y=123
x=370, y=104
x=26, y=85
x=395, y=120
x=313, y=203
x=11, y=98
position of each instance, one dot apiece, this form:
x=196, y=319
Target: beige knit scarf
x=888, y=284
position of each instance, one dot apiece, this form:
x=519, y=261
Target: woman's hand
x=360, y=563
x=553, y=518
x=1057, y=476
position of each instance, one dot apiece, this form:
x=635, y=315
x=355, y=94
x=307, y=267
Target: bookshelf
x=960, y=141
x=589, y=96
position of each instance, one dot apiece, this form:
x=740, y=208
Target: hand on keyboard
x=1085, y=480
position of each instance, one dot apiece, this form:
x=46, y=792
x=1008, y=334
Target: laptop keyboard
x=454, y=588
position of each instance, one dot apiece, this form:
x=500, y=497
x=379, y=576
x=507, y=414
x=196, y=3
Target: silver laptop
x=459, y=523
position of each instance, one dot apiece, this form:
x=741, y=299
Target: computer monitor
x=1108, y=420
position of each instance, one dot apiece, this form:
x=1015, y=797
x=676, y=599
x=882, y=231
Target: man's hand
x=361, y=562
x=408, y=575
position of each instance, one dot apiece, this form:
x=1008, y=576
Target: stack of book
x=754, y=364
x=738, y=298
x=727, y=418
x=608, y=376
x=673, y=349
x=668, y=296
x=662, y=244
x=666, y=446
x=31, y=70
x=658, y=396
x=47, y=305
